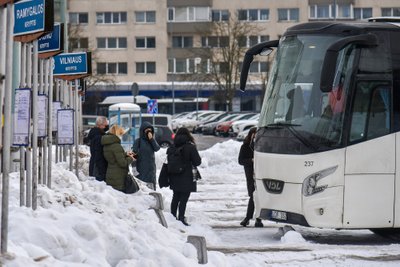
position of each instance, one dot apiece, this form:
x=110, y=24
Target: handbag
x=131, y=186
x=163, y=178
x=196, y=173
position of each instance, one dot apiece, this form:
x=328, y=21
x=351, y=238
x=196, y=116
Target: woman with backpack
x=246, y=156
x=182, y=182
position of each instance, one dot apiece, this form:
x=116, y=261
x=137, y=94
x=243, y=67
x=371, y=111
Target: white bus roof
x=124, y=99
x=124, y=107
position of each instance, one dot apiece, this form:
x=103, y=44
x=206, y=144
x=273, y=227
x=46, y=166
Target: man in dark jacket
x=97, y=164
x=144, y=147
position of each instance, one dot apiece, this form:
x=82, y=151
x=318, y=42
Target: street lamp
x=197, y=62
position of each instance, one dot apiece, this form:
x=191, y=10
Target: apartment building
x=154, y=42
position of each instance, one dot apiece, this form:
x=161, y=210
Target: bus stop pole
x=22, y=149
x=40, y=139
x=7, y=130
x=71, y=105
x=45, y=139
x=28, y=180
x=50, y=123
x=35, y=125
x=2, y=70
x=76, y=130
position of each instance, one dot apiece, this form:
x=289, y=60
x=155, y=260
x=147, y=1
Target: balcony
x=188, y=27
x=182, y=3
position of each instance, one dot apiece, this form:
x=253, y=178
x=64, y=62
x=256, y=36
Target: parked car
x=190, y=124
x=242, y=135
x=242, y=125
x=223, y=127
x=187, y=120
x=164, y=135
x=210, y=128
x=216, y=117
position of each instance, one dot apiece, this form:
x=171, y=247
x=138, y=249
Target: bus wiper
x=290, y=127
x=281, y=124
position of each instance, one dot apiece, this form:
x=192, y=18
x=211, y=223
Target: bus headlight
x=311, y=184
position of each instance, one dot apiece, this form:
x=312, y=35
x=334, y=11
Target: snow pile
x=292, y=237
x=83, y=222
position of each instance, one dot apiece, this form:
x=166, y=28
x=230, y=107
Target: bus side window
x=379, y=117
x=370, y=116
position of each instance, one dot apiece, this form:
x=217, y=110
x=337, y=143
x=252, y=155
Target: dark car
x=210, y=128
x=164, y=135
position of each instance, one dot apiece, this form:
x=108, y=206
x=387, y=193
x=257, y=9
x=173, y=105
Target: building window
x=181, y=65
x=362, y=13
x=183, y=14
x=258, y=67
x=215, y=41
x=249, y=41
x=78, y=18
x=111, y=17
x=391, y=12
x=145, y=67
x=112, y=68
x=220, y=15
x=145, y=16
x=344, y=11
x=112, y=43
x=253, y=14
x=182, y=41
x=79, y=43
x=321, y=12
x=145, y=42
x=288, y=14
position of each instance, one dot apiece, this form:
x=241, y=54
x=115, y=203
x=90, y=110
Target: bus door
x=370, y=159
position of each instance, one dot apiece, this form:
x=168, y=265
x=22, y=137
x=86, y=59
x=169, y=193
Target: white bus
x=327, y=149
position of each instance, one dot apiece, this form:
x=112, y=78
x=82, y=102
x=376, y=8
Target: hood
x=109, y=139
x=144, y=126
x=180, y=140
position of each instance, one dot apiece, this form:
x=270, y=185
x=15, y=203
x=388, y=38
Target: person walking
x=246, y=156
x=97, y=163
x=118, y=160
x=144, y=148
x=184, y=183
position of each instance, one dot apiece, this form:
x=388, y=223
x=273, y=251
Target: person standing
x=97, y=163
x=183, y=184
x=118, y=160
x=144, y=148
x=246, y=156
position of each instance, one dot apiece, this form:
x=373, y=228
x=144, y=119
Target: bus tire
x=389, y=233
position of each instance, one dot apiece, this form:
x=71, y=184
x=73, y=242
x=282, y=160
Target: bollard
x=199, y=242
x=161, y=217
x=159, y=200
x=158, y=208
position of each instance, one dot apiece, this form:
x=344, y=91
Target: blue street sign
x=152, y=106
x=29, y=17
x=51, y=41
x=71, y=64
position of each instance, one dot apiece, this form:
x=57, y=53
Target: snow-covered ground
x=82, y=222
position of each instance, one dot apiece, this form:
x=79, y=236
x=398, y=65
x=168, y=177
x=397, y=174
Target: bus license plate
x=279, y=215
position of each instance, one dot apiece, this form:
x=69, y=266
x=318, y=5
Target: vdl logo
x=273, y=186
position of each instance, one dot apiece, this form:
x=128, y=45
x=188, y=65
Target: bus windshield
x=294, y=102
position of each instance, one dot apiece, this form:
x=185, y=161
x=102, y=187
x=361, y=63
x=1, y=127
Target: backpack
x=176, y=163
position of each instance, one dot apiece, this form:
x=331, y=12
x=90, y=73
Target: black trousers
x=179, y=199
x=250, y=208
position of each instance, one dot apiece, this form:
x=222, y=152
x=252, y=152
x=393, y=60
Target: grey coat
x=146, y=163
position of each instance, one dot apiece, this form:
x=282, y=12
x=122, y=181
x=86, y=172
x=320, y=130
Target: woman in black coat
x=246, y=156
x=183, y=184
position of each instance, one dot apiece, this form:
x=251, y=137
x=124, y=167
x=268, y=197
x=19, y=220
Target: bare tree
x=226, y=47
x=77, y=42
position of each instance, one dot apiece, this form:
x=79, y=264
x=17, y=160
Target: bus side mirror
x=262, y=49
x=329, y=65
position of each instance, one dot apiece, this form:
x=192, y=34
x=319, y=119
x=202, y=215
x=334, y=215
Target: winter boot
x=258, y=223
x=184, y=221
x=245, y=222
